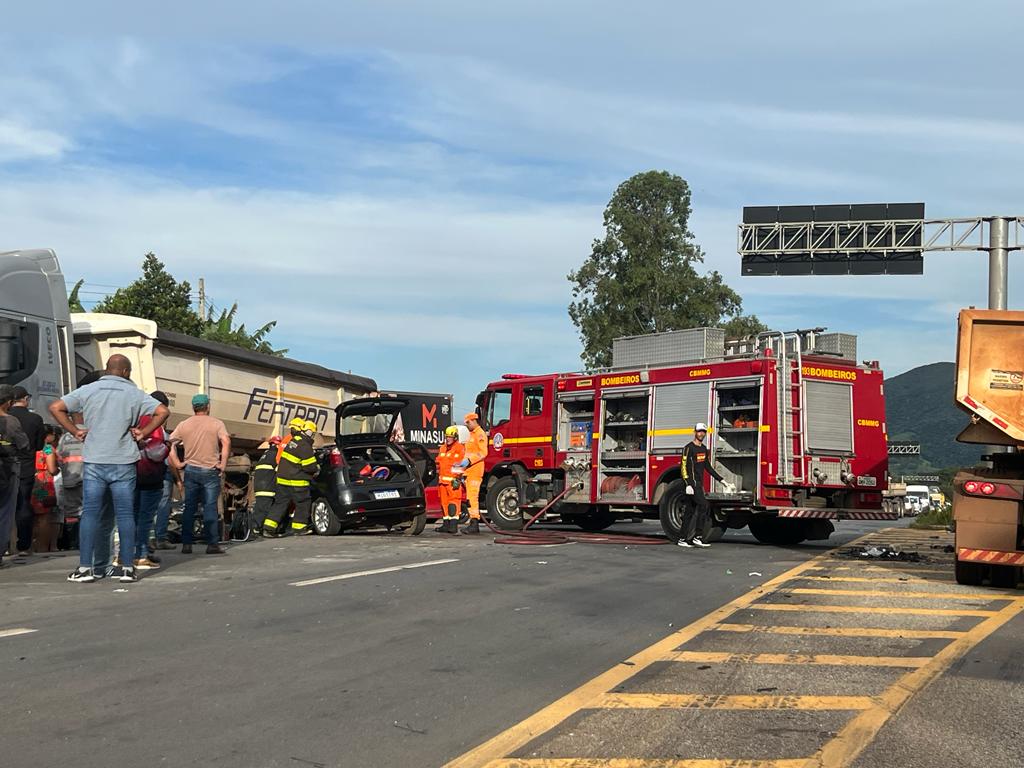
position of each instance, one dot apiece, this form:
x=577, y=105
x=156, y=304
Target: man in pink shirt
x=207, y=447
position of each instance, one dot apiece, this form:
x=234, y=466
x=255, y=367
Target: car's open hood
x=367, y=420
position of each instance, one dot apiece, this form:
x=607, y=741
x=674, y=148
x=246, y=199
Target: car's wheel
x=324, y=521
x=1004, y=576
x=416, y=525
x=670, y=509
x=503, y=504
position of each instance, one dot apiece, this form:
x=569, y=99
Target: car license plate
x=386, y=494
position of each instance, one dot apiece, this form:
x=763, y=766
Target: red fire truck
x=800, y=434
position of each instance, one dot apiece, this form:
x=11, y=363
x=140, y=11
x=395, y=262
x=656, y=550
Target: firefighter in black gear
x=295, y=470
x=695, y=461
x=264, y=481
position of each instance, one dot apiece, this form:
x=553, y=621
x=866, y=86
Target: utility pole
x=998, y=248
x=202, y=299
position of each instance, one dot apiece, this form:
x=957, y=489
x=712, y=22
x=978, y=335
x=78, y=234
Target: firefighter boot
x=443, y=527
x=473, y=528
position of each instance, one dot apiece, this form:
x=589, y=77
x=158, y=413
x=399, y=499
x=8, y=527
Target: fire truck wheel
x=503, y=504
x=968, y=573
x=772, y=530
x=594, y=521
x=1004, y=576
x=715, y=533
x=670, y=509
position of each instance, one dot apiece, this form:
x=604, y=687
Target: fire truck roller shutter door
x=829, y=416
x=677, y=407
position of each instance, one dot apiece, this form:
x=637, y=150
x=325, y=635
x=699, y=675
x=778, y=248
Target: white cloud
x=19, y=141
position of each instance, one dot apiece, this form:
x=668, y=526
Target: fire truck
x=796, y=426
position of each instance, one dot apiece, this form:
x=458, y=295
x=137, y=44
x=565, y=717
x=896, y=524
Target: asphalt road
x=234, y=661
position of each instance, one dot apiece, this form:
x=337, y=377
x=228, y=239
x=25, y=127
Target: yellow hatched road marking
x=547, y=718
x=703, y=657
x=713, y=701
x=641, y=762
x=893, y=594
x=896, y=567
x=868, y=609
x=862, y=729
x=909, y=634
x=871, y=580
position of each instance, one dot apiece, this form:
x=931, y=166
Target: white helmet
x=701, y=428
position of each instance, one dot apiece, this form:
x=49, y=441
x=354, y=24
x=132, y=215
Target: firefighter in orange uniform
x=449, y=482
x=473, y=467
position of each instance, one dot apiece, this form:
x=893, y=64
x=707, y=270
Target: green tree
x=156, y=296
x=74, y=302
x=641, y=277
x=224, y=330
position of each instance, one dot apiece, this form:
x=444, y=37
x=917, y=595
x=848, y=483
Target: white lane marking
x=374, y=572
x=16, y=631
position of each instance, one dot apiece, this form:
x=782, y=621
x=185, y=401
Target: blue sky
x=404, y=186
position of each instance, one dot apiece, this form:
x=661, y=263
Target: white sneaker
x=684, y=543
x=697, y=542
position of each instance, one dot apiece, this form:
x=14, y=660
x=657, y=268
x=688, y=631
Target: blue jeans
x=104, y=541
x=163, y=512
x=146, y=502
x=100, y=481
x=201, y=485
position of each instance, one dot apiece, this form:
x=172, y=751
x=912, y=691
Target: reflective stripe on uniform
x=310, y=460
x=265, y=493
x=293, y=483
x=298, y=526
x=265, y=466
x=291, y=457
x=268, y=523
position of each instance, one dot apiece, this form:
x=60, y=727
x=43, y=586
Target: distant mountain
x=919, y=408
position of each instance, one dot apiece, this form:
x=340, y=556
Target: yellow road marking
x=547, y=718
x=641, y=762
x=910, y=634
x=713, y=701
x=702, y=657
x=894, y=569
x=901, y=595
x=871, y=580
x=809, y=608
x=862, y=729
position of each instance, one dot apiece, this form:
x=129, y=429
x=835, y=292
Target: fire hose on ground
x=549, y=538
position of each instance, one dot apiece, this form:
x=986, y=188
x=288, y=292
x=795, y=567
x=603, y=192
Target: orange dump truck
x=988, y=503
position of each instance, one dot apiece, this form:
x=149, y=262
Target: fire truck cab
x=797, y=430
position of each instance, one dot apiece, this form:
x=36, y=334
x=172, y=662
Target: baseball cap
x=6, y=393
x=200, y=400
x=20, y=393
x=701, y=427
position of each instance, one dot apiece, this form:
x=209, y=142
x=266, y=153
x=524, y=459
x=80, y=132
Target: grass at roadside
x=934, y=517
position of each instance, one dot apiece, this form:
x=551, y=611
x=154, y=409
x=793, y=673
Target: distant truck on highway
x=988, y=503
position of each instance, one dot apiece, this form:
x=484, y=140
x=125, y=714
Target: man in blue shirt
x=112, y=408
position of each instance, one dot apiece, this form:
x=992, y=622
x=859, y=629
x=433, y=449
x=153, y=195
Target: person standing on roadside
x=207, y=447
x=149, y=488
x=473, y=467
x=449, y=484
x=12, y=440
x=264, y=480
x=295, y=471
x=112, y=408
x=695, y=462
x=35, y=430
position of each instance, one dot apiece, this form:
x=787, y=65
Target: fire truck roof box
x=690, y=345
x=990, y=375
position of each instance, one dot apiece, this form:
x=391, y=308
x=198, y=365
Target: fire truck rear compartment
x=622, y=473
x=737, y=431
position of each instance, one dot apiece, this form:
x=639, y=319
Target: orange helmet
x=471, y=417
